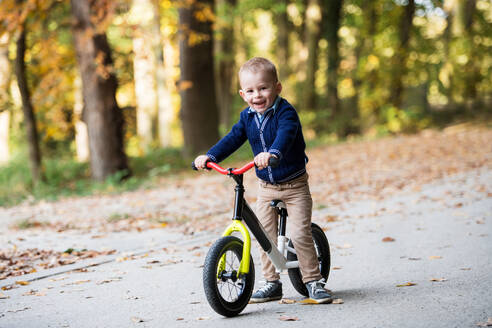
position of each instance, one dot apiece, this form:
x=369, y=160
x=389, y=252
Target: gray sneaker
x=271, y=291
x=317, y=291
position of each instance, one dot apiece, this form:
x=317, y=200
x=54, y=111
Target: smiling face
x=259, y=89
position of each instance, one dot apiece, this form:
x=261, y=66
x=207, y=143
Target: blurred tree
x=445, y=74
x=199, y=112
x=365, y=70
x=81, y=135
x=464, y=31
x=144, y=68
x=164, y=103
x=154, y=108
x=5, y=103
x=225, y=59
x=312, y=37
x=29, y=116
x=399, y=60
x=101, y=112
x=281, y=19
x=331, y=17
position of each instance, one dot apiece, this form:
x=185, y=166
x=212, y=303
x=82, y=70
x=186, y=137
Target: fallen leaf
x=98, y=236
x=286, y=301
x=345, y=246
x=308, y=301
x=105, y=281
x=336, y=268
x=388, y=239
x=179, y=319
x=407, y=284
x=287, y=318
x=3, y=296
x=465, y=269
x=22, y=282
x=485, y=324
x=438, y=279
x=202, y=318
x=414, y=258
x=434, y=257
x=137, y=320
x=337, y=301
x=195, y=302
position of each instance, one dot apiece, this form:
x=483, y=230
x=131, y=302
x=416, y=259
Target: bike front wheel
x=227, y=292
x=323, y=253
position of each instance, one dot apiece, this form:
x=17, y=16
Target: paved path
x=443, y=232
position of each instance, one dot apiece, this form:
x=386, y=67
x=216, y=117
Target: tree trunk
x=282, y=22
x=465, y=11
x=164, y=105
x=446, y=72
x=101, y=113
x=144, y=68
x=401, y=54
x=81, y=136
x=5, y=103
x=313, y=34
x=197, y=87
x=367, y=114
x=29, y=117
x=332, y=15
x=224, y=50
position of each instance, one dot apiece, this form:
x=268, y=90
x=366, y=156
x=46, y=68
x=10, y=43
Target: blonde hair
x=257, y=64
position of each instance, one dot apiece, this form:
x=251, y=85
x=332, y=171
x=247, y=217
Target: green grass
x=66, y=177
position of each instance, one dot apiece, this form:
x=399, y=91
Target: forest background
x=103, y=96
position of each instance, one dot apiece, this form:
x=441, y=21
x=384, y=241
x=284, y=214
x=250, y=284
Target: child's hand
x=261, y=160
x=201, y=162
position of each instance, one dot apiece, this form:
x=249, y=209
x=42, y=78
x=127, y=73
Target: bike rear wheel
x=227, y=292
x=322, y=251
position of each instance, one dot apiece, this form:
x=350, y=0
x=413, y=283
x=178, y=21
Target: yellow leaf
x=22, y=282
x=435, y=257
x=407, y=284
x=438, y=279
x=337, y=301
x=286, y=301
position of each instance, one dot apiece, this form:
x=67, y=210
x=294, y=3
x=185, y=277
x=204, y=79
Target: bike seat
x=277, y=203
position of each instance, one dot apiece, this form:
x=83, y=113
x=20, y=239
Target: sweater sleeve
x=288, y=124
x=230, y=143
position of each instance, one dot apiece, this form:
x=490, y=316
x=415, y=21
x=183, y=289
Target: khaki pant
x=297, y=197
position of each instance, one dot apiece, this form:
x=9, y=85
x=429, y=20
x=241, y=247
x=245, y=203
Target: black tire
x=226, y=293
x=322, y=250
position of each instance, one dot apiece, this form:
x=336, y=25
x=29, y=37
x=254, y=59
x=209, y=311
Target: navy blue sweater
x=280, y=133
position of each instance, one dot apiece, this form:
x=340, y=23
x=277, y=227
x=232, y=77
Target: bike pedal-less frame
x=229, y=283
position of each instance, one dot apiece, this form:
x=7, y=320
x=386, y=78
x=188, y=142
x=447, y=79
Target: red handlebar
x=220, y=169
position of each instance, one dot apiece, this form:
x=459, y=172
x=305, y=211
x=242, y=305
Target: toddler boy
x=272, y=127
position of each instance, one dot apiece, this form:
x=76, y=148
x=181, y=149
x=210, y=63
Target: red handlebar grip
x=220, y=169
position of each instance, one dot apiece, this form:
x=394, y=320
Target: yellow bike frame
x=238, y=225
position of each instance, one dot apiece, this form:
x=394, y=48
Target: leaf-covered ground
x=192, y=202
